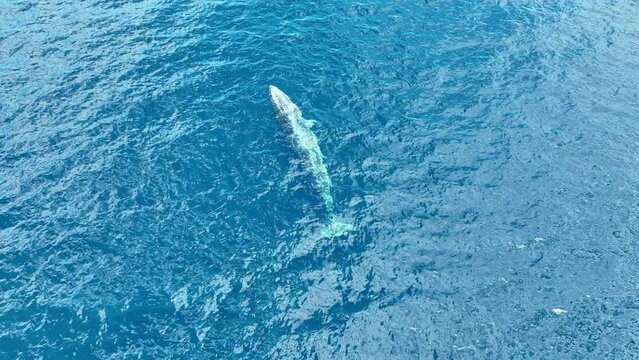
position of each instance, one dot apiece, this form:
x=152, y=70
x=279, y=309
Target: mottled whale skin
x=306, y=144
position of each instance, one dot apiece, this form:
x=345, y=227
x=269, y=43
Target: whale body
x=304, y=141
x=307, y=146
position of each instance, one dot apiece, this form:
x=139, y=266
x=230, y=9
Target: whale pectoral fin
x=310, y=123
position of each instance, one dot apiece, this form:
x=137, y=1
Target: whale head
x=283, y=106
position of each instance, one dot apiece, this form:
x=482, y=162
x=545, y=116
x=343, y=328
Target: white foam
x=559, y=311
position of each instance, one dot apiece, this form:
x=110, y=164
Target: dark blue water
x=151, y=206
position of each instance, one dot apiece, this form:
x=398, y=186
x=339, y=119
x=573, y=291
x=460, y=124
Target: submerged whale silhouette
x=306, y=144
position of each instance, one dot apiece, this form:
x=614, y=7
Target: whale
x=305, y=142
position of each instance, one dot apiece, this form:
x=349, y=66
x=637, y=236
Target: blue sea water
x=151, y=205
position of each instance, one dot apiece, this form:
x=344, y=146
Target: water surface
x=151, y=205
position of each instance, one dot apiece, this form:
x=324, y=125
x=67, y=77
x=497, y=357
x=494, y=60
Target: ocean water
x=151, y=205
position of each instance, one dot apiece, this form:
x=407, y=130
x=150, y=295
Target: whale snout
x=283, y=106
x=280, y=101
x=275, y=93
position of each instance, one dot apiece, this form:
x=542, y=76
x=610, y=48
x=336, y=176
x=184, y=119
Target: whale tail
x=336, y=229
